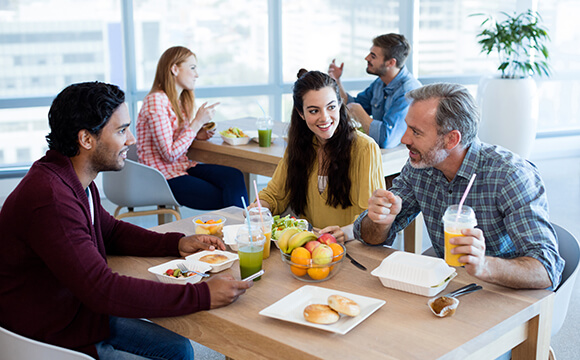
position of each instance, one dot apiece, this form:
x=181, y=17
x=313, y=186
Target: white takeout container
x=236, y=141
x=160, y=270
x=230, y=232
x=215, y=267
x=418, y=274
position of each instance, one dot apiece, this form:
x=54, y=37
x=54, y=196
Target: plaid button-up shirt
x=161, y=143
x=508, y=197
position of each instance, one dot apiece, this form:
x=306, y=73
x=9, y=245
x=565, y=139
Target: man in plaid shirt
x=514, y=244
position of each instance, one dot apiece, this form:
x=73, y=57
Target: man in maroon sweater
x=55, y=285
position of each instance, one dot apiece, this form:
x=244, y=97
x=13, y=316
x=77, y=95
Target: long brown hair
x=301, y=152
x=165, y=81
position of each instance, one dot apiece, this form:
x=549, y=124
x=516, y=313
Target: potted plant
x=509, y=105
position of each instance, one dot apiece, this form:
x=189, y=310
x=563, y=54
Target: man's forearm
x=518, y=273
x=343, y=94
x=373, y=233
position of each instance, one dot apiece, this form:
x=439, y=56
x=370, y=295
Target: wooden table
x=253, y=159
x=487, y=323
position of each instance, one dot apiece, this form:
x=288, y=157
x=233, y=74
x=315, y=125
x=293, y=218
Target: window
x=250, y=51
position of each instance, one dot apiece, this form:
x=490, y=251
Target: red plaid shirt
x=160, y=142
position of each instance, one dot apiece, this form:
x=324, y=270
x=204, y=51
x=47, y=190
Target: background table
x=486, y=324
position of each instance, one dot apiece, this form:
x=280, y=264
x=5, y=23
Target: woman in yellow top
x=330, y=169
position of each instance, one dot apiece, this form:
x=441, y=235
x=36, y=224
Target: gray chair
x=14, y=346
x=569, y=249
x=139, y=185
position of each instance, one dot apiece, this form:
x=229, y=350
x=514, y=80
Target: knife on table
x=356, y=263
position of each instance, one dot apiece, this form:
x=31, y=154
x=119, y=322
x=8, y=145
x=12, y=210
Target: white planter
x=509, y=113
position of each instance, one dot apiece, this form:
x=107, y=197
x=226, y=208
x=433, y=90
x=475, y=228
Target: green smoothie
x=250, y=260
x=264, y=137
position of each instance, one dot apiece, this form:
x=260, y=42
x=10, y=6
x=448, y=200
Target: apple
x=322, y=254
x=327, y=238
x=311, y=245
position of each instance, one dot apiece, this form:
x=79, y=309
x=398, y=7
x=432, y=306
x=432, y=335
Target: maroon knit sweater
x=55, y=285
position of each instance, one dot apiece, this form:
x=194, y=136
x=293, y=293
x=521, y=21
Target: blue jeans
x=209, y=187
x=134, y=339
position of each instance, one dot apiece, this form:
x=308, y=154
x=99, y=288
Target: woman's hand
x=204, y=115
x=333, y=230
x=204, y=134
x=263, y=204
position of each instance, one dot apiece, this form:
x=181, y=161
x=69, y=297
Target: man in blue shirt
x=514, y=244
x=384, y=99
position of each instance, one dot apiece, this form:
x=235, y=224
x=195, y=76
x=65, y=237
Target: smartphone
x=252, y=277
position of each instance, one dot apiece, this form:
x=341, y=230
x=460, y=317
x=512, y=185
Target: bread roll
x=320, y=314
x=343, y=305
x=214, y=258
x=209, y=126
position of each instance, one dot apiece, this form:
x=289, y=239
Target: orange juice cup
x=453, y=225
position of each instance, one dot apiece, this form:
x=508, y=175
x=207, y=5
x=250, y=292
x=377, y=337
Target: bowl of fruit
x=309, y=258
x=209, y=225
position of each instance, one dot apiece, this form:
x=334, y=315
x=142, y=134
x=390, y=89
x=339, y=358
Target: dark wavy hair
x=301, y=153
x=81, y=106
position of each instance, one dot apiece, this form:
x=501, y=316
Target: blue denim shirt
x=388, y=107
x=508, y=197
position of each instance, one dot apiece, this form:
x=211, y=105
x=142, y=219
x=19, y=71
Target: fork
x=185, y=270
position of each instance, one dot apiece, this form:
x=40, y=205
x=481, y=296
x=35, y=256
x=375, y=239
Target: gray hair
x=457, y=109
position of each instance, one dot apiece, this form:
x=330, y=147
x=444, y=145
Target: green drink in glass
x=250, y=260
x=264, y=125
x=264, y=137
x=250, y=249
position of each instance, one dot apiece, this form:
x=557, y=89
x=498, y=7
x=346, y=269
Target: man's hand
x=225, y=289
x=518, y=273
x=194, y=243
x=359, y=114
x=384, y=206
x=334, y=71
x=472, y=245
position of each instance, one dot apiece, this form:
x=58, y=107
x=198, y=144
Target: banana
x=285, y=237
x=299, y=239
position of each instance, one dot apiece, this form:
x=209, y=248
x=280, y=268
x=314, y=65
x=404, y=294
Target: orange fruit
x=336, y=251
x=299, y=256
x=298, y=271
x=210, y=221
x=198, y=221
x=319, y=273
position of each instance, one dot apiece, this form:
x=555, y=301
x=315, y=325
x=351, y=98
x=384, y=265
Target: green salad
x=281, y=224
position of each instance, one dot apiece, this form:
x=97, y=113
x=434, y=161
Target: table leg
x=414, y=235
x=249, y=179
x=537, y=343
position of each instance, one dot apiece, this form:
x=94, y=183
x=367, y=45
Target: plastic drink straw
x=261, y=108
x=258, y=200
x=248, y=219
x=464, y=196
x=259, y=207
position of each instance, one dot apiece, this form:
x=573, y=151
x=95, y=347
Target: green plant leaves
x=519, y=41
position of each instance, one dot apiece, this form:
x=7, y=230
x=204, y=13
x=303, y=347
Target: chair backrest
x=569, y=249
x=14, y=346
x=137, y=185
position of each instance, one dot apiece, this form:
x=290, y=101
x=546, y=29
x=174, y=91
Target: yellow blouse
x=366, y=174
